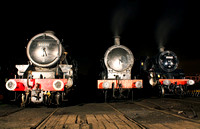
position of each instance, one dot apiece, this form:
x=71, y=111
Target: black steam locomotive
x=163, y=74
x=48, y=77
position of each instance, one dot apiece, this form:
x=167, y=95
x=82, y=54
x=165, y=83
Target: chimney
x=117, y=40
x=161, y=49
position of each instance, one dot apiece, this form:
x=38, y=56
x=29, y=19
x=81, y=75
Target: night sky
x=88, y=27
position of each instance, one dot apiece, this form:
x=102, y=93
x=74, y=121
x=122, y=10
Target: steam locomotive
x=48, y=77
x=116, y=79
x=163, y=74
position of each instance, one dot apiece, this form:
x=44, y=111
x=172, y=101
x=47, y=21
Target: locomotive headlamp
x=166, y=82
x=152, y=81
x=11, y=85
x=58, y=85
x=138, y=84
x=190, y=82
x=69, y=82
x=106, y=85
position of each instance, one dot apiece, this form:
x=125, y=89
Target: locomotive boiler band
x=47, y=76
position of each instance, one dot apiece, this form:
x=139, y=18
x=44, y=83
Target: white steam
x=120, y=16
x=169, y=22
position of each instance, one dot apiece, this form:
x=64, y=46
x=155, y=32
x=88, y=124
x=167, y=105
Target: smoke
x=120, y=16
x=168, y=23
x=163, y=31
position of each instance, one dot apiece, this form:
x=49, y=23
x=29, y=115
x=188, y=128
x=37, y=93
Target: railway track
x=158, y=108
x=148, y=109
x=116, y=120
x=191, y=104
x=44, y=120
x=11, y=112
x=141, y=114
x=185, y=121
x=182, y=100
x=134, y=121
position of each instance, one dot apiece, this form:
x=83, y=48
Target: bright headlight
x=58, y=85
x=106, y=85
x=152, y=82
x=11, y=85
x=138, y=84
x=190, y=82
x=151, y=74
x=166, y=82
x=69, y=82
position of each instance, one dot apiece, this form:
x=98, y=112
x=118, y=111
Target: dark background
x=88, y=27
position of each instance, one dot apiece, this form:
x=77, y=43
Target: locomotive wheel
x=179, y=92
x=22, y=100
x=197, y=94
x=47, y=100
x=57, y=98
x=161, y=91
x=106, y=95
x=19, y=100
